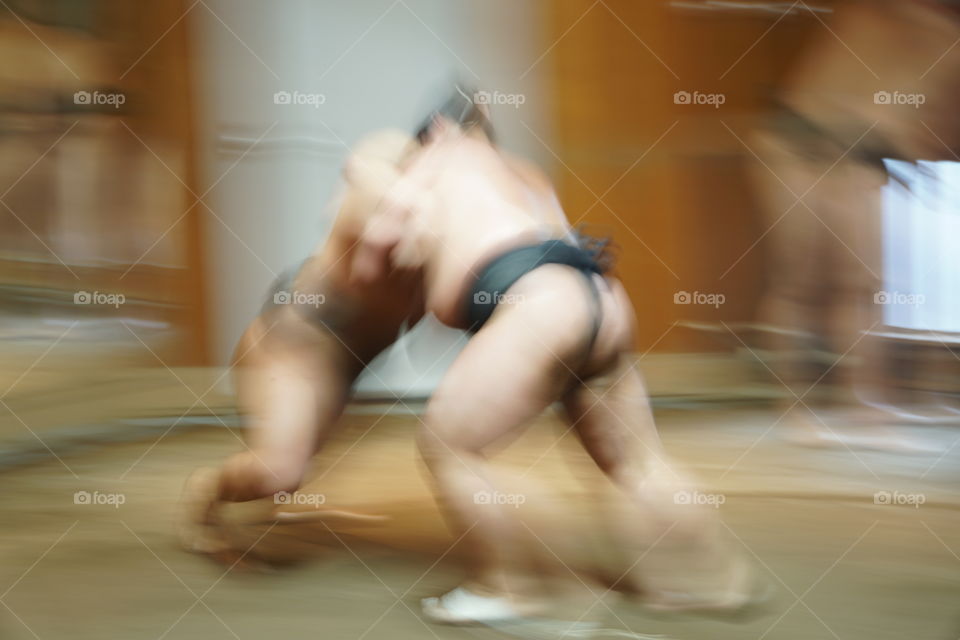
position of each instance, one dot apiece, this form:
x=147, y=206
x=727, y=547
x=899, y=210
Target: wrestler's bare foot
x=743, y=591
x=198, y=525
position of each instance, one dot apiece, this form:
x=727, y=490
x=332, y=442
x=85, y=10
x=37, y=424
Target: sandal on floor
x=462, y=607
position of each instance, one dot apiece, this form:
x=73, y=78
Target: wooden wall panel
x=674, y=176
x=99, y=198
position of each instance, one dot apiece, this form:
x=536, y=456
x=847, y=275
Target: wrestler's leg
x=855, y=216
x=798, y=276
x=825, y=271
x=292, y=384
x=688, y=559
x=611, y=414
x=509, y=372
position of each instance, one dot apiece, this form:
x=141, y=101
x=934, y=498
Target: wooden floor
x=841, y=565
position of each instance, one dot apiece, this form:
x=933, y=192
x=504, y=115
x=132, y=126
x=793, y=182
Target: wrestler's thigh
x=508, y=373
x=292, y=386
x=856, y=221
x=795, y=234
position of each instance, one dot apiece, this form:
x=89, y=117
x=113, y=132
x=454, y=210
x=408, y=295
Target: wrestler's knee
x=431, y=447
x=441, y=435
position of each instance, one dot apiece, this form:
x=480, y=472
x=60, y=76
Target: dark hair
x=462, y=108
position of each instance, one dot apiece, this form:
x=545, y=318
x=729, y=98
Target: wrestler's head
x=462, y=110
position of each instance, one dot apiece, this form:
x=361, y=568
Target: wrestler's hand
x=371, y=260
x=394, y=237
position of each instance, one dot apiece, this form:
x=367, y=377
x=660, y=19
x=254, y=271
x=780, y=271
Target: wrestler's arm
x=392, y=236
x=381, y=235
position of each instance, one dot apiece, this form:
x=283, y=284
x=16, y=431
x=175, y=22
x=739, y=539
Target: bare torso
x=461, y=203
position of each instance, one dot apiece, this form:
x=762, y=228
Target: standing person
x=820, y=173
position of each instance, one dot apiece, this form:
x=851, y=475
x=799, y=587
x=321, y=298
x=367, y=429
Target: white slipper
x=464, y=607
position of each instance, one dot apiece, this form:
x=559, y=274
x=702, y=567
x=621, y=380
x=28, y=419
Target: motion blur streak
x=775, y=183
